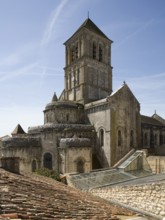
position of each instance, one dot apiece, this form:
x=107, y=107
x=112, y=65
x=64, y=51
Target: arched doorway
x=80, y=166
x=48, y=161
x=34, y=165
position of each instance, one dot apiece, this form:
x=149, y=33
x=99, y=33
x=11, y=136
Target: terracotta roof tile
x=34, y=197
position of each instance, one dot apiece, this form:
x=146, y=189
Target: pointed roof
x=18, y=130
x=88, y=24
x=54, y=98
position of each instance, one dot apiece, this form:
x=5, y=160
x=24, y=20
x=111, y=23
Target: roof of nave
x=19, y=142
x=37, y=197
x=89, y=24
x=151, y=121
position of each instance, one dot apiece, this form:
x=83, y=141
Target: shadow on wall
x=160, y=150
x=11, y=164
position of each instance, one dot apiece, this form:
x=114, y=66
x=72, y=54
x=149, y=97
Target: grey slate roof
x=150, y=120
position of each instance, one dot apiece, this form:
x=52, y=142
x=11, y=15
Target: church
x=89, y=126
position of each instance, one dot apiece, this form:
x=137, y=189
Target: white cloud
x=10, y=60
x=139, y=30
x=22, y=71
x=51, y=24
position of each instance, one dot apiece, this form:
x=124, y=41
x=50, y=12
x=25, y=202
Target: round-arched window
x=48, y=161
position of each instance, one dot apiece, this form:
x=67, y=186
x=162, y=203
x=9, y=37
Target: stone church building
x=89, y=126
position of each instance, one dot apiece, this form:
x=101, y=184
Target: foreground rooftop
x=37, y=197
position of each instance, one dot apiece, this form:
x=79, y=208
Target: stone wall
x=27, y=149
x=75, y=155
x=98, y=113
x=148, y=197
x=11, y=164
x=157, y=163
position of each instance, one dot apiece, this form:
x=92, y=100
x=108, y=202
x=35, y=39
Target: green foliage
x=48, y=173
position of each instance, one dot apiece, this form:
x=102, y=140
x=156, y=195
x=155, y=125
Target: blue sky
x=32, y=54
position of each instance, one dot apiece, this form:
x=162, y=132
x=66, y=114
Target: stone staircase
x=132, y=167
x=36, y=197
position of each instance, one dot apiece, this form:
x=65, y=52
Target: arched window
x=76, y=51
x=80, y=166
x=155, y=140
x=100, y=53
x=70, y=80
x=72, y=55
x=67, y=117
x=131, y=139
x=119, y=138
x=145, y=139
x=161, y=139
x=48, y=161
x=152, y=140
x=66, y=82
x=101, y=137
x=94, y=51
x=77, y=76
x=34, y=165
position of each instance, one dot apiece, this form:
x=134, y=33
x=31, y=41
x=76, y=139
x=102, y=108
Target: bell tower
x=88, y=70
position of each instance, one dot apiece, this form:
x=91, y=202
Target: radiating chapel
x=89, y=126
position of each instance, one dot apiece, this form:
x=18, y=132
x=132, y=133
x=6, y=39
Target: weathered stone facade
x=117, y=123
x=88, y=70
x=88, y=127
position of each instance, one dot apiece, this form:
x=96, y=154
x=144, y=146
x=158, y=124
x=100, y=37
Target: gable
x=123, y=94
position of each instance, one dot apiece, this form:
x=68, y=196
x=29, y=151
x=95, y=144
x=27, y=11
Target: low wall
x=157, y=163
x=149, y=198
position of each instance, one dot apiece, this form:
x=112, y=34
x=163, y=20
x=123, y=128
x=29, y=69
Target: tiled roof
x=150, y=121
x=88, y=24
x=35, y=197
x=18, y=130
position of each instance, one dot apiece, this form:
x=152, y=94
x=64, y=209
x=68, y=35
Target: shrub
x=48, y=173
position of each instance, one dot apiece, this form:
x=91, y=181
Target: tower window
x=100, y=53
x=101, y=137
x=69, y=81
x=72, y=54
x=119, y=138
x=94, y=51
x=76, y=51
x=131, y=139
x=77, y=76
x=66, y=82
